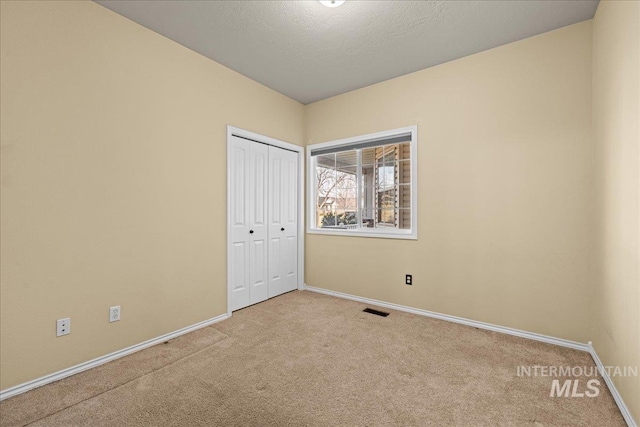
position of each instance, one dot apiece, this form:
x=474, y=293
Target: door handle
x=250, y=231
x=282, y=229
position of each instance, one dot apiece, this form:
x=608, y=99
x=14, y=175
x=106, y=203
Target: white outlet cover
x=63, y=327
x=114, y=313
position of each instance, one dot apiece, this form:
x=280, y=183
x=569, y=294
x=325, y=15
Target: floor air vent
x=376, y=312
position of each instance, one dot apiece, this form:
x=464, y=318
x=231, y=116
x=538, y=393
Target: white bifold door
x=283, y=221
x=264, y=222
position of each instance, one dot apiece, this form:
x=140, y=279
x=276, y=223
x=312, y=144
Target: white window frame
x=411, y=234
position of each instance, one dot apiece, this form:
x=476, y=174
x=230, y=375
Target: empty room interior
x=320, y=213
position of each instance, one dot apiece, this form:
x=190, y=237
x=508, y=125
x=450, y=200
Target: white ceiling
x=310, y=52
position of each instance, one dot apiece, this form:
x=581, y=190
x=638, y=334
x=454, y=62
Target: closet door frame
x=234, y=131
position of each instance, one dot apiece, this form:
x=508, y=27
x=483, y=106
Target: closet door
x=248, y=252
x=283, y=224
x=258, y=244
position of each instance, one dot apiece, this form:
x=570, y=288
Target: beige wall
x=615, y=325
x=505, y=197
x=113, y=181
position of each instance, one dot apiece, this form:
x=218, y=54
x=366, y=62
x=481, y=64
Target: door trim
x=262, y=139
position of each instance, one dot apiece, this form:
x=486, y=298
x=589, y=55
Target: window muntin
x=364, y=185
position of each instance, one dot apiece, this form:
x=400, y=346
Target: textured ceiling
x=310, y=52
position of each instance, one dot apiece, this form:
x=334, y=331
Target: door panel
x=258, y=271
x=240, y=266
x=275, y=183
x=290, y=214
x=259, y=190
x=275, y=260
x=258, y=165
x=291, y=262
x=283, y=254
x=239, y=186
x=290, y=209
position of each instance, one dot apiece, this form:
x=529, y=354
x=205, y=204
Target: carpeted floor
x=309, y=359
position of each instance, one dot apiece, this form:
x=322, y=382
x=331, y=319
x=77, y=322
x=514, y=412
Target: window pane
x=345, y=218
x=346, y=179
x=326, y=183
x=328, y=219
x=346, y=158
x=386, y=218
x=386, y=177
x=387, y=199
x=325, y=211
x=347, y=192
x=390, y=153
x=367, y=188
x=368, y=215
x=404, y=219
x=404, y=171
x=326, y=161
x=346, y=198
x=368, y=156
x=404, y=151
x=351, y=170
x=404, y=196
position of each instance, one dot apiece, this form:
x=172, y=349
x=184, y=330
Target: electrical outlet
x=63, y=327
x=408, y=279
x=114, y=314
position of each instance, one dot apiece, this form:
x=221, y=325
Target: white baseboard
x=21, y=388
x=461, y=320
x=502, y=329
x=612, y=388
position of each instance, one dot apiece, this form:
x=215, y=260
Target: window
x=364, y=186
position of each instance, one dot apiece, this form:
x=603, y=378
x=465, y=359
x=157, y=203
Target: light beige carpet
x=310, y=359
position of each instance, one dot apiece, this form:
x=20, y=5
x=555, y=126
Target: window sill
x=408, y=235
